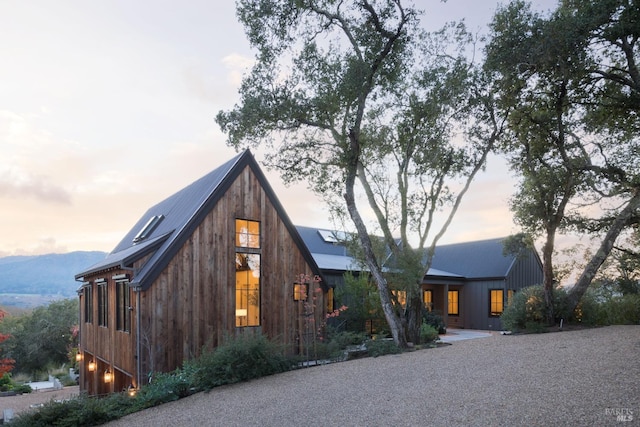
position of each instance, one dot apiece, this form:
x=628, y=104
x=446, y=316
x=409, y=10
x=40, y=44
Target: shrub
x=435, y=320
x=428, y=333
x=239, y=359
x=377, y=348
x=621, y=310
x=527, y=309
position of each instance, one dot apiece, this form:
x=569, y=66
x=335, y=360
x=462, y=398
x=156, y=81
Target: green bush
x=239, y=359
x=527, y=310
x=377, y=348
x=621, y=310
x=435, y=320
x=428, y=333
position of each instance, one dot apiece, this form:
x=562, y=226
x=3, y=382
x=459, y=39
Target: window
x=454, y=308
x=427, y=299
x=123, y=302
x=247, y=234
x=510, y=293
x=330, y=302
x=496, y=302
x=148, y=228
x=87, y=294
x=103, y=303
x=401, y=297
x=247, y=289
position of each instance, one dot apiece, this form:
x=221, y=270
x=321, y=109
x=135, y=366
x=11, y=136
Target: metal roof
x=181, y=213
x=471, y=260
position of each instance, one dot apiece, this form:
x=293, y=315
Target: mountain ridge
x=27, y=277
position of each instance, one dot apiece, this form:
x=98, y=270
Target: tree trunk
x=414, y=315
x=621, y=221
x=394, y=322
x=548, y=279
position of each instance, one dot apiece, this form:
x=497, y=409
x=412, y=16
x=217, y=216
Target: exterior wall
x=526, y=271
x=477, y=304
x=191, y=304
x=106, y=346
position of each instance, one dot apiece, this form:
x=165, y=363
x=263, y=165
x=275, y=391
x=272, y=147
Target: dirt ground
x=24, y=402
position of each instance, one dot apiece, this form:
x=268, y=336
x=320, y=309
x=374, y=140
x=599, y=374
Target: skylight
x=333, y=236
x=148, y=228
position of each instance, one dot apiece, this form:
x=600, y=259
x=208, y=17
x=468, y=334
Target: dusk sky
x=108, y=107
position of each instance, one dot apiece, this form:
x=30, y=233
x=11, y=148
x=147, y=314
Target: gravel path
x=577, y=378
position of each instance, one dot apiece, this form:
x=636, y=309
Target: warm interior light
x=241, y=312
x=92, y=366
x=108, y=376
x=300, y=291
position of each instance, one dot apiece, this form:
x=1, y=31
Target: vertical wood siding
x=191, y=305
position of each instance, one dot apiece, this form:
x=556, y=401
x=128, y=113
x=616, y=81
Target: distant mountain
x=49, y=275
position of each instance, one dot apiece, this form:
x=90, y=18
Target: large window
x=427, y=299
x=454, y=306
x=247, y=289
x=247, y=273
x=103, y=303
x=123, y=302
x=87, y=294
x=496, y=302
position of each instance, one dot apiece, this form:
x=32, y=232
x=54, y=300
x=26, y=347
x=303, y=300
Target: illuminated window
x=300, y=291
x=401, y=296
x=88, y=304
x=510, y=293
x=123, y=319
x=427, y=299
x=496, y=302
x=454, y=308
x=247, y=289
x=247, y=234
x=330, y=300
x=103, y=303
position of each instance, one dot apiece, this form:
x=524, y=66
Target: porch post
x=445, y=310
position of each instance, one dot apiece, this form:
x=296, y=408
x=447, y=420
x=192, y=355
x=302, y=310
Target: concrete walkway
x=463, y=334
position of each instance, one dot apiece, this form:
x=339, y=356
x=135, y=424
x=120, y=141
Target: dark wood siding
x=191, y=305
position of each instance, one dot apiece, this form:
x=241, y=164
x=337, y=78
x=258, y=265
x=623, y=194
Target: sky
x=108, y=107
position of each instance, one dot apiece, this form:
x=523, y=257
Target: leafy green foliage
x=43, y=337
x=434, y=320
x=527, y=309
x=240, y=359
x=428, y=333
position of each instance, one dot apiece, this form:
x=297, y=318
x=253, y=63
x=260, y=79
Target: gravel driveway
x=578, y=378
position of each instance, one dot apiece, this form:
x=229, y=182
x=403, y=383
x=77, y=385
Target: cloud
x=237, y=65
x=21, y=185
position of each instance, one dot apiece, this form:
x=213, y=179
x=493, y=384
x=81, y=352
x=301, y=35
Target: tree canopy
x=387, y=122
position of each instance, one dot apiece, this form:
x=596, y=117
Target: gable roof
x=471, y=260
x=177, y=218
x=474, y=260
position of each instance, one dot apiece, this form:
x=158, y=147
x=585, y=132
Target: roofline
x=243, y=160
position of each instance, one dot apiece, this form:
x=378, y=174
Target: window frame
x=103, y=303
x=427, y=302
x=123, y=303
x=496, y=307
x=244, y=294
x=451, y=302
x=87, y=294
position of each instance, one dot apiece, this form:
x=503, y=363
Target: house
x=216, y=259
x=468, y=283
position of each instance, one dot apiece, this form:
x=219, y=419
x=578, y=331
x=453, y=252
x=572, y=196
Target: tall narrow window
x=454, y=306
x=496, y=302
x=87, y=294
x=427, y=299
x=123, y=301
x=247, y=289
x=103, y=303
x=510, y=293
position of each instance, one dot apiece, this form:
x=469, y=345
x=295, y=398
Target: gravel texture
x=576, y=378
